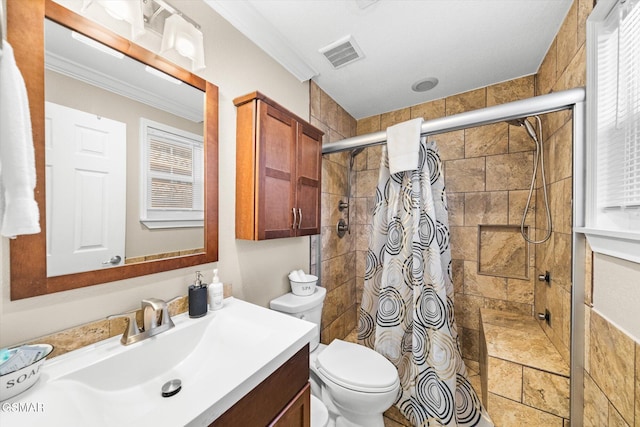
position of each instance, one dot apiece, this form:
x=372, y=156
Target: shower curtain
x=407, y=306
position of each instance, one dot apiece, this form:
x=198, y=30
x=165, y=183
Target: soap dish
x=21, y=370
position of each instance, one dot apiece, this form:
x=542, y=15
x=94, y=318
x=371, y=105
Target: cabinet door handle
x=294, y=218
x=300, y=221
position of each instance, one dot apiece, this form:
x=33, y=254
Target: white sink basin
x=219, y=358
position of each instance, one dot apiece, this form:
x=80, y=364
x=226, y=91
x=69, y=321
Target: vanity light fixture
x=122, y=10
x=185, y=39
x=96, y=45
x=181, y=36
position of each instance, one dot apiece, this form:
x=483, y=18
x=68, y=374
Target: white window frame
x=154, y=218
x=610, y=231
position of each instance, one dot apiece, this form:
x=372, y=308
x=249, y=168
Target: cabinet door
x=275, y=173
x=308, y=187
x=298, y=411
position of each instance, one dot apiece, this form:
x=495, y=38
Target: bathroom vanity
x=283, y=399
x=242, y=365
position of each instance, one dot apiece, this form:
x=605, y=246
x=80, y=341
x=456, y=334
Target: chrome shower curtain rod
x=542, y=104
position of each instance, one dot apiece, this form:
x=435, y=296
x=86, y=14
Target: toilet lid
x=357, y=367
x=319, y=413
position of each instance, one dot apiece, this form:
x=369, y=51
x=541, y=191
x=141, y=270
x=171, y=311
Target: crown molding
x=93, y=77
x=246, y=19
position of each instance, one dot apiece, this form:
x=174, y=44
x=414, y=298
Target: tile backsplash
x=93, y=332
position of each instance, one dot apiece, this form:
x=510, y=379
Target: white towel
x=403, y=145
x=19, y=212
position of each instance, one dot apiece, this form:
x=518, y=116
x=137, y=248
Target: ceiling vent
x=342, y=52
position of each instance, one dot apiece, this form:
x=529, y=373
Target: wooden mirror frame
x=25, y=32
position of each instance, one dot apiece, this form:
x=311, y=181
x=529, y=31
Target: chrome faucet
x=150, y=309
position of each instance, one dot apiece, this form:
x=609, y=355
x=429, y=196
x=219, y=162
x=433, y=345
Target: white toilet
x=354, y=382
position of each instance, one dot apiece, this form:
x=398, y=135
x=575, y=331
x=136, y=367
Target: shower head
x=516, y=122
x=356, y=151
x=353, y=155
x=522, y=121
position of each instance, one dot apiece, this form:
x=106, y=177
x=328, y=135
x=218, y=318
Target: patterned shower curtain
x=407, y=307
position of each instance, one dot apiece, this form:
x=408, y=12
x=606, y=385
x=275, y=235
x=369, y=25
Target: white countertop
x=219, y=358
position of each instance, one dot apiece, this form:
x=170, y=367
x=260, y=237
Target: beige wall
x=257, y=270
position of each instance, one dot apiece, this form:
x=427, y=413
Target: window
x=172, y=188
x=613, y=129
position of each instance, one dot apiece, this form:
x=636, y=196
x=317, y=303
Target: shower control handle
x=546, y=277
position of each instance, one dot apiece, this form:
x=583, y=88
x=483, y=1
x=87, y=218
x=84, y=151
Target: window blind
x=172, y=193
x=618, y=110
x=171, y=175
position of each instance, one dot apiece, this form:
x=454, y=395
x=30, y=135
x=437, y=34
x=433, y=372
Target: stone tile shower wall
x=563, y=67
x=487, y=174
x=337, y=255
x=611, y=357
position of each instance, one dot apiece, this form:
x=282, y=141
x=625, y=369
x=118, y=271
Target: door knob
x=113, y=261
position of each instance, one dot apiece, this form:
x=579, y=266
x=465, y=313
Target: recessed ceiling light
x=162, y=75
x=363, y=4
x=96, y=45
x=424, y=85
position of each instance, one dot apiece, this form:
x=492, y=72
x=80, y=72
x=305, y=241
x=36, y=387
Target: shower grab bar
x=541, y=104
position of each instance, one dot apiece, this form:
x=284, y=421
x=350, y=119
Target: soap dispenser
x=197, y=297
x=216, y=292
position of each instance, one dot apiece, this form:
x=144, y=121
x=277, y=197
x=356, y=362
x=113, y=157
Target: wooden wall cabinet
x=278, y=171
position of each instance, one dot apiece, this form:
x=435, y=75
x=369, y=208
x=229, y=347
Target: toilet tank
x=308, y=308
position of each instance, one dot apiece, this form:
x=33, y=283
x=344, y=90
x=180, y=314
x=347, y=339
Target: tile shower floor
x=393, y=417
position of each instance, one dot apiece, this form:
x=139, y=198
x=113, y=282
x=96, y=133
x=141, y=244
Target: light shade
x=124, y=10
x=185, y=39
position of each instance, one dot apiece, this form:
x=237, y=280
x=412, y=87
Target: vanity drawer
x=298, y=411
x=270, y=402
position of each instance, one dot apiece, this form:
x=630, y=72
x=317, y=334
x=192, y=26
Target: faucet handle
x=132, y=326
x=150, y=317
x=154, y=303
x=150, y=309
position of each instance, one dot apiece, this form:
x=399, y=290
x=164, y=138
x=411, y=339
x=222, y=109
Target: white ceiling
x=466, y=44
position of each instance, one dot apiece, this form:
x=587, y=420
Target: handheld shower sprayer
x=539, y=158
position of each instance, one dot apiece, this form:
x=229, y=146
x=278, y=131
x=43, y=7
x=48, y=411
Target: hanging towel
x=19, y=212
x=403, y=145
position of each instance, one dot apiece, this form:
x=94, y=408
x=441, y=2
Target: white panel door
x=86, y=190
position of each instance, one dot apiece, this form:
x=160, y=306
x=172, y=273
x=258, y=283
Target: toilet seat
x=357, y=368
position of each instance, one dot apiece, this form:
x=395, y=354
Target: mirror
x=32, y=272
x=101, y=214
